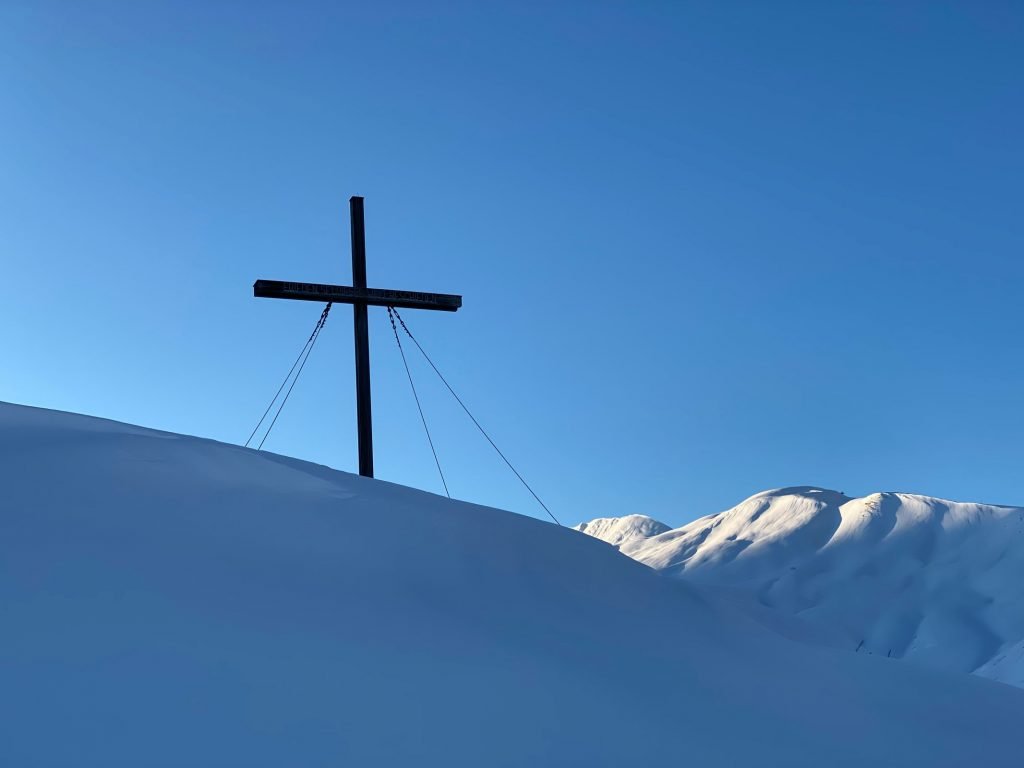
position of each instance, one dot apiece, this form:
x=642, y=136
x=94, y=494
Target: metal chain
x=323, y=319
x=391, y=317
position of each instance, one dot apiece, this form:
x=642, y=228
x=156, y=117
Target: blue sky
x=705, y=248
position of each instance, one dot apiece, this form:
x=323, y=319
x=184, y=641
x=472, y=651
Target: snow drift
x=173, y=601
x=937, y=581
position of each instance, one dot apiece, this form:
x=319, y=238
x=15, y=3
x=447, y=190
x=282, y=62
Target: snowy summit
x=170, y=600
x=894, y=574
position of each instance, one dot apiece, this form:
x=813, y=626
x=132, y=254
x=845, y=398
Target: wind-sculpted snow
x=937, y=581
x=171, y=601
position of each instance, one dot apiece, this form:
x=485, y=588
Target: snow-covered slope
x=173, y=601
x=896, y=574
x=623, y=531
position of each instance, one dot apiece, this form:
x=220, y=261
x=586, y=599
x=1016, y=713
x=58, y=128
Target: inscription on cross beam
x=360, y=297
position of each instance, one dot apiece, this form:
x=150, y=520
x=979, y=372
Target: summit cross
x=360, y=297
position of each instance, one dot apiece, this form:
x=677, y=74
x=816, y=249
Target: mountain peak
x=623, y=531
x=894, y=573
x=811, y=491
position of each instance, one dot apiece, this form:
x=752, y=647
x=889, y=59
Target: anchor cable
x=306, y=350
x=391, y=317
x=468, y=413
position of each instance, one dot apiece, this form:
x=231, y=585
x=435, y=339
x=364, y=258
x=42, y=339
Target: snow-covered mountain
x=623, y=531
x=168, y=600
x=937, y=581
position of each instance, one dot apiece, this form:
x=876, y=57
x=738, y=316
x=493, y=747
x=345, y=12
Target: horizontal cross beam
x=345, y=294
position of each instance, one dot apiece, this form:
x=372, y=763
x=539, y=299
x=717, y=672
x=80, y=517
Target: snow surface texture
x=174, y=601
x=939, y=582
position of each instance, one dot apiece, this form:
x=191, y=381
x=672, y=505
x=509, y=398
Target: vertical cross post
x=364, y=420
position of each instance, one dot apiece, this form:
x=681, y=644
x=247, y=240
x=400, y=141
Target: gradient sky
x=705, y=248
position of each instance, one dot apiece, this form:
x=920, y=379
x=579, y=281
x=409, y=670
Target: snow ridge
x=893, y=574
x=620, y=531
x=175, y=601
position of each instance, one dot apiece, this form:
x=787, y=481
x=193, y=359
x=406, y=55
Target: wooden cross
x=360, y=297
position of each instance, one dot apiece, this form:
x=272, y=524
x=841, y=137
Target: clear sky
x=706, y=248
